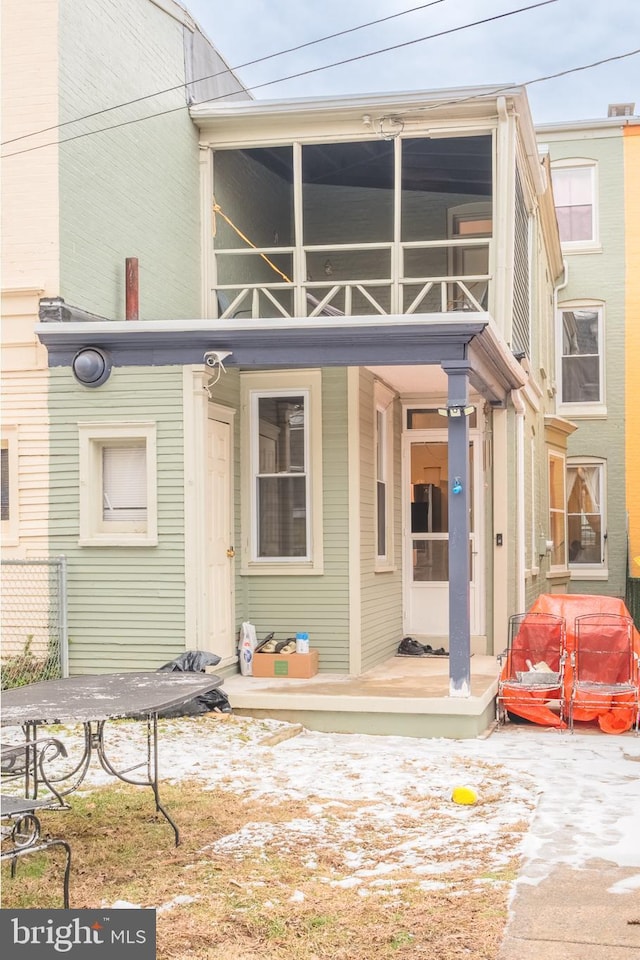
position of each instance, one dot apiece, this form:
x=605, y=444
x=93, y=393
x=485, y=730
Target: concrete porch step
x=401, y=697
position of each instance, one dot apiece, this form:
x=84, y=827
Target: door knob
x=231, y=552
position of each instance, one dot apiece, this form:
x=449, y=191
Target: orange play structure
x=587, y=653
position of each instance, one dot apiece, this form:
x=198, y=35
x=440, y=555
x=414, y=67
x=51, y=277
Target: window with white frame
x=586, y=531
x=533, y=464
x=285, y=515
x=9, y=485
x=581, y=355
x=574, y=189
x=557, y=510
x=118, y=496
x=383, y=437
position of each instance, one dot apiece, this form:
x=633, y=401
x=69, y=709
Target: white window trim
x=555, y=454
x=92, y=437
x=596, y=409
x=383, y=403
x=534, y=568
x=10, y=528
x=583, y=246
x=274, y=382
x=593, y=571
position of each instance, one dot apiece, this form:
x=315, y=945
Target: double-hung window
x=9, y=485
x=585, y=515
x=581, y=374
x=557, y=510
x=383, y=439
x=118, y=498
x=574, y=189
x=283, y=526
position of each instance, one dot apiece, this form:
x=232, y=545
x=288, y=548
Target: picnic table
x=95, y=700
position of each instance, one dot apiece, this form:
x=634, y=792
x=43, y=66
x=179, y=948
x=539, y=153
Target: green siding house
x=297, y=359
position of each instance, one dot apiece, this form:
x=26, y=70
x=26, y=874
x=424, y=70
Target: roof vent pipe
x=131, y=288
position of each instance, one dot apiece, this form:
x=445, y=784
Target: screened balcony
x=377, y=227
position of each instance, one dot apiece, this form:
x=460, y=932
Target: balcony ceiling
x=449, y=165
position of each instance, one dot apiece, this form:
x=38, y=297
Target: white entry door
x=219, y=535
x=426, y=566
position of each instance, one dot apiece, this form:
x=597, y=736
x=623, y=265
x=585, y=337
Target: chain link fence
x=33, y=620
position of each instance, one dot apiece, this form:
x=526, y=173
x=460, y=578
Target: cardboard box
x=295, y=666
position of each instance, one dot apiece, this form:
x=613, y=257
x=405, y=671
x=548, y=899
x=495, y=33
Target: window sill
x=561, y=574
x=583, y=411
x=385, y=568
x=589, y=574
x=581, y=246
x=118, y=541
x=308, y=569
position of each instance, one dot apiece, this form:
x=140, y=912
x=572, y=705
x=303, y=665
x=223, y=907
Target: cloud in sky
x=519, y=48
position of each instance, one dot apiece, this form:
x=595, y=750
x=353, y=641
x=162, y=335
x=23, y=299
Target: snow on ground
x=384, y=803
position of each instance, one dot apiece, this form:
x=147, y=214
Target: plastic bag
x=214, y=701
x=248, y=643
x=195, y=661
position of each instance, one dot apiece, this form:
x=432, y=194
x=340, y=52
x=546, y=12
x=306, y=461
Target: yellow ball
x=465, y=795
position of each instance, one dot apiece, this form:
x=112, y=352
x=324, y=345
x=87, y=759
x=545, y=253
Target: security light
x=91, y=366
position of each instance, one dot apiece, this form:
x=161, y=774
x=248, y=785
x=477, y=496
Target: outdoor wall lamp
x=456, y=410
x=91, y=366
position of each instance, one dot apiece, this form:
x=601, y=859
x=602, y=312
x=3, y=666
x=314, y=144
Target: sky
x=516, y=49
x=569, y=798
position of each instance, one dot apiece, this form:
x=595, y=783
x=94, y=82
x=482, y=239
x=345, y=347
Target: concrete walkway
x=589, y=910
x=573, y=915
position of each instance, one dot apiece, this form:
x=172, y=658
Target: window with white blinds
x=118, y=496
x=124, y=482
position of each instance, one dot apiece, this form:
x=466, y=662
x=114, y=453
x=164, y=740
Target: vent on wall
x=621, y=109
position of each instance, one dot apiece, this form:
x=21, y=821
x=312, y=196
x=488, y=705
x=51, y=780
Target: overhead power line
x=220, y=73
x=294, y=76
x=485, y=93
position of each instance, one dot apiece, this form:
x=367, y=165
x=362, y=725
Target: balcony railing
x=430, y=276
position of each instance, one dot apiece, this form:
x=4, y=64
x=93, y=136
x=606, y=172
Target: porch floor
x=402, y=697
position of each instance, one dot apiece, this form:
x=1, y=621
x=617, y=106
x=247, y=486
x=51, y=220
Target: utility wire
x=268, y=83
x=485, y=93
x=240, y=66
x=528, y=83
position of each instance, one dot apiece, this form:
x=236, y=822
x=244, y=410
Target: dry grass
x=279, y=899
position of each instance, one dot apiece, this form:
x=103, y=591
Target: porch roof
x=284, y=343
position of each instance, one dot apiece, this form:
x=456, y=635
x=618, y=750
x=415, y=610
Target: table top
x=106, y=696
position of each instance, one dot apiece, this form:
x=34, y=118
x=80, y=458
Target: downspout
x=520, y=517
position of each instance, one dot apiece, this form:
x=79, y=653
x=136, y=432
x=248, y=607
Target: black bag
x=195, y=661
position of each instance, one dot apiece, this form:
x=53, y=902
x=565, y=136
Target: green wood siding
x=601, y=276
x=381, y=592
x=316, y=604
x=125, y=604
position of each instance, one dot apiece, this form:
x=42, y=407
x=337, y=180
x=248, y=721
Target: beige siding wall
x=381, y=592
x=29, y=251
x=24, y=422
x=30, y=178
x=126, y=604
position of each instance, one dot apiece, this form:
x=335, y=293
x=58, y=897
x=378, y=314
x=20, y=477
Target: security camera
x=213, y=358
